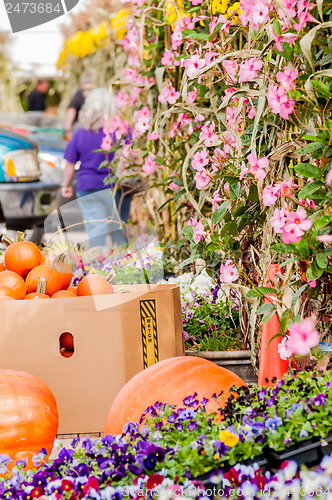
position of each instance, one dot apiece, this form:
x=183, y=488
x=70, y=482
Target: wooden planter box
x=238, y=362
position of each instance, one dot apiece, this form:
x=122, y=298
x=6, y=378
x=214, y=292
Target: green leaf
x=220, y=212
x=298, y=293
x=328, y=250
x=283, y=321
x=283, y=248
x=186, y=262
x=214, y=247
x=309, y=189
x=261, y=291
x=194, y=35
x=313, y=271
x=310, y=148
x=265, y=308
x=321, y=222
x=277, y=28
x=308, y=170
x=160, y=159
x=268, y=316
x=321, y=260
x=288, y=261
x=234, y=190
x=188, y=231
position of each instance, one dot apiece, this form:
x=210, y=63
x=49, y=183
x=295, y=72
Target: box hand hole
x=66, y=344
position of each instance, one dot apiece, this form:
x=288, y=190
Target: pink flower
x=193, y=65
x=174, y=187
x=308, y=203
x=303, y=337
x=249, y=69
x=153, y=136
x=221, y=19
x=256, y=167
x=107, y=143
x=217, y=159
x=329, y=177
x=288, y=38
x=216, y=199
x=169, y=94
x=192, y=96
x=121, y=100
x=228, y=272
x=284, y=350
x=207, y=134
x=295, y=226
x=279, y=101
x=312, y=283
x=192, y=221
x=256, y=13
x=200, y=160
x=270, y=195
x=149, y=166
x=230, y=68
x=287, y=77
x=278, y=220
x=209, y=56
x=176, y=37
x=199, y=232
x=286, y=188
x=196, y=2
x=202, y=179
x=251, y=110
x=168, y=58
x=229, y=143
x=324, y=238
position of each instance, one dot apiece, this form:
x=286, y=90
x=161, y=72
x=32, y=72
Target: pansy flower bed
x=177, y=447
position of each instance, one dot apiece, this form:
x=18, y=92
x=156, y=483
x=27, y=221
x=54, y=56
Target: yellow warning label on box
x=149, y=332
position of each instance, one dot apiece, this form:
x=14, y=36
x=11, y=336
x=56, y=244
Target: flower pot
x=238, y=362
x=306, y=452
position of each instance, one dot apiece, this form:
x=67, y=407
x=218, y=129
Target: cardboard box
x=115, y=337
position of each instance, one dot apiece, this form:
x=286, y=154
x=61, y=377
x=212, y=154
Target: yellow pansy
x=228, y=438
x=216, y=456
x=174, y=12
x=118, y=23
x=219, y=6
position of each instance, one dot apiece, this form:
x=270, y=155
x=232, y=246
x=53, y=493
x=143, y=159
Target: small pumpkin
x=2, y=267
x=94, y=284
x=63, y=293
x=15, y=282
x=7, y=297
x=66, y=341
x=21, y=256
x=39, y=293
x=51, y=276
x=64, y=268
x=5, y=291
x=170, y=381
x=28, y=417
x=73, y=289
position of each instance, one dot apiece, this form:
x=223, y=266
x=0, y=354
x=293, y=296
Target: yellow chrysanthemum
x=228, y=438
x=174, y=12
x=118, y=23
x=219, y=6
x=62, y=56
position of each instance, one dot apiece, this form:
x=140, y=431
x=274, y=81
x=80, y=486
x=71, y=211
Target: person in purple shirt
x=95, y=198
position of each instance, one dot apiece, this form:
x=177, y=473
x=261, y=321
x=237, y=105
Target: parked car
x=26, y=196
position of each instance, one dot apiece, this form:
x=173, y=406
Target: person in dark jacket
x=37, y=98
x=76, y=103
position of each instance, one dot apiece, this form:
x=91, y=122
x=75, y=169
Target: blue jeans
x=101, y=216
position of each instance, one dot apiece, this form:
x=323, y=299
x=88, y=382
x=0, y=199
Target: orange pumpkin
x=21, y=257
x=73, y=289
x=7, y=297
x=28, y=417
x=66, y=341
x=15, y=282
x=5, y=291
x=94, y=284
x=63, y=293
x=64, y=269
x=36, y=295
x=2, y=267
x=52, y=277
x=170, y=381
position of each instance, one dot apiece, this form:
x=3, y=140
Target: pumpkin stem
x=41, y=287
x=7, y=241
x=110, y=276
x=20, y=236
x=61, y=257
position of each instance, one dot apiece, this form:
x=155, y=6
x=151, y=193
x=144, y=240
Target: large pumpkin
x=28, y=416
x=94, y=284
x=65, y=270
x=170, y=381
x=21, y=257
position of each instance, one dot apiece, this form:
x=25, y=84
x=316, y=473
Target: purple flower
x=273, y=422
x=320, y=400
x=4, y=461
